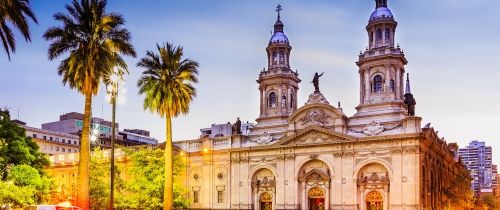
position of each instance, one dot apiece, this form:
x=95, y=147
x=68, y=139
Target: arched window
x=271, y=101
x=291, y=100
x=379, y=36
x=275, y=57
x=387, y=35
x=377, y=84
x=371, y=38
x=282, y=57
x=392, y=85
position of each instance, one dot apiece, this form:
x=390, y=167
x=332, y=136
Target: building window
x=282, y=57
x=63, y=149
x=271, y=100
x=291, y=100
x=57, y=148
x=196, y=196
x=378, y=39
x=377, y=84
x=57, y=139
x=51, y=138
x=387, y=35
x=44, y=137
x=64, y=141
x=34, y=135
x=275, y=57
x=220, y=196
x=76, y=143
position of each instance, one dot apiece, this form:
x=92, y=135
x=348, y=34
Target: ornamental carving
x=375, y=128
x=266, y=138
x=317, y=98
x=264, y=183
x=315, y=117
x=374, y=181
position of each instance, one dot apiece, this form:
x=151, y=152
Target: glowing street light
x=113, y=83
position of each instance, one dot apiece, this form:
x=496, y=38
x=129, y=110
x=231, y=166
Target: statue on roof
x=237, y=127
x=316, y=81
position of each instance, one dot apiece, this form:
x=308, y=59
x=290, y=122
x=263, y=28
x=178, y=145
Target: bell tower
x=381, y=71
x=278, y=84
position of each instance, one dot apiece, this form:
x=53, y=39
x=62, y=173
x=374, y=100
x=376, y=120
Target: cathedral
x=313, y=156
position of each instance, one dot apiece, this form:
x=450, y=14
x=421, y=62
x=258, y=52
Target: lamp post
x=112, y=90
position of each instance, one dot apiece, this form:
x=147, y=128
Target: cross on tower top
x=278, y=9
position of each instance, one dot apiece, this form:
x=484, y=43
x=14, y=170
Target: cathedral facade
x=312, y=156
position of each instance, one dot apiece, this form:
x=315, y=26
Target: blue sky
x=452, y=47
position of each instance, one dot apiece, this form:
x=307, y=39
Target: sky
x=452, y=47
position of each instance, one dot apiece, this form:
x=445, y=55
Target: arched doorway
x=373, y=187
x=316, y=197
x=374, y=201
x=314, y=185
x=266, y=201
x=263, y=189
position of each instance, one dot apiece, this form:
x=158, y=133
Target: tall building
x=132, y=137
x=477, y=157
x=313, y=156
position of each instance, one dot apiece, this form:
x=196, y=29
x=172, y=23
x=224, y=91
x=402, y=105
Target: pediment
x=318, y=114
x=315, y=135
x=314, y=175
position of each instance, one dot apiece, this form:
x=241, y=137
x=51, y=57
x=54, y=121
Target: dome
x=278, y=37
x=381, y=12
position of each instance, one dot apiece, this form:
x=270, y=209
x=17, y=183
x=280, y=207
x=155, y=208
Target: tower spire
x=407, y=83
x=278, y=26
x=278, y=9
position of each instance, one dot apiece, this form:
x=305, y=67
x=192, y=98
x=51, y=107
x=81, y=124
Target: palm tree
x=167, y=84
x=14, y=13
x=93, y=41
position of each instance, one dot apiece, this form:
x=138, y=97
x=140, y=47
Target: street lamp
x=112, y=87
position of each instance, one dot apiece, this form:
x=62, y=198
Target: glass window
x=57, y=148
x=44, y=137
x=220, y=196
x=291, y=100
x=195, y=197
x=392, y=85
x=51, y=138
x=377, y=84
x=64, y=141
x=63, y=149
x=272, y=100
x=275, y=57
x=34, y=135
x=282, y=57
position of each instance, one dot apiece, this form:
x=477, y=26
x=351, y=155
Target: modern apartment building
x=477, y=157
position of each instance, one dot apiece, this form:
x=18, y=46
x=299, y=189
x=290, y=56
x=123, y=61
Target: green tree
x=16, y=148
x=167, y=84
x=94, y=41
x=144, y=187
x=14, y=13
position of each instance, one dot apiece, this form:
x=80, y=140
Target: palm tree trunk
x=168, y=188
x=83, y=166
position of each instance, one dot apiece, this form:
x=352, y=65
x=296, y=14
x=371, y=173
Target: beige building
x=52, y=142
x=312, y=156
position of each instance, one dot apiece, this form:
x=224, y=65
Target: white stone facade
x=315, y=157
